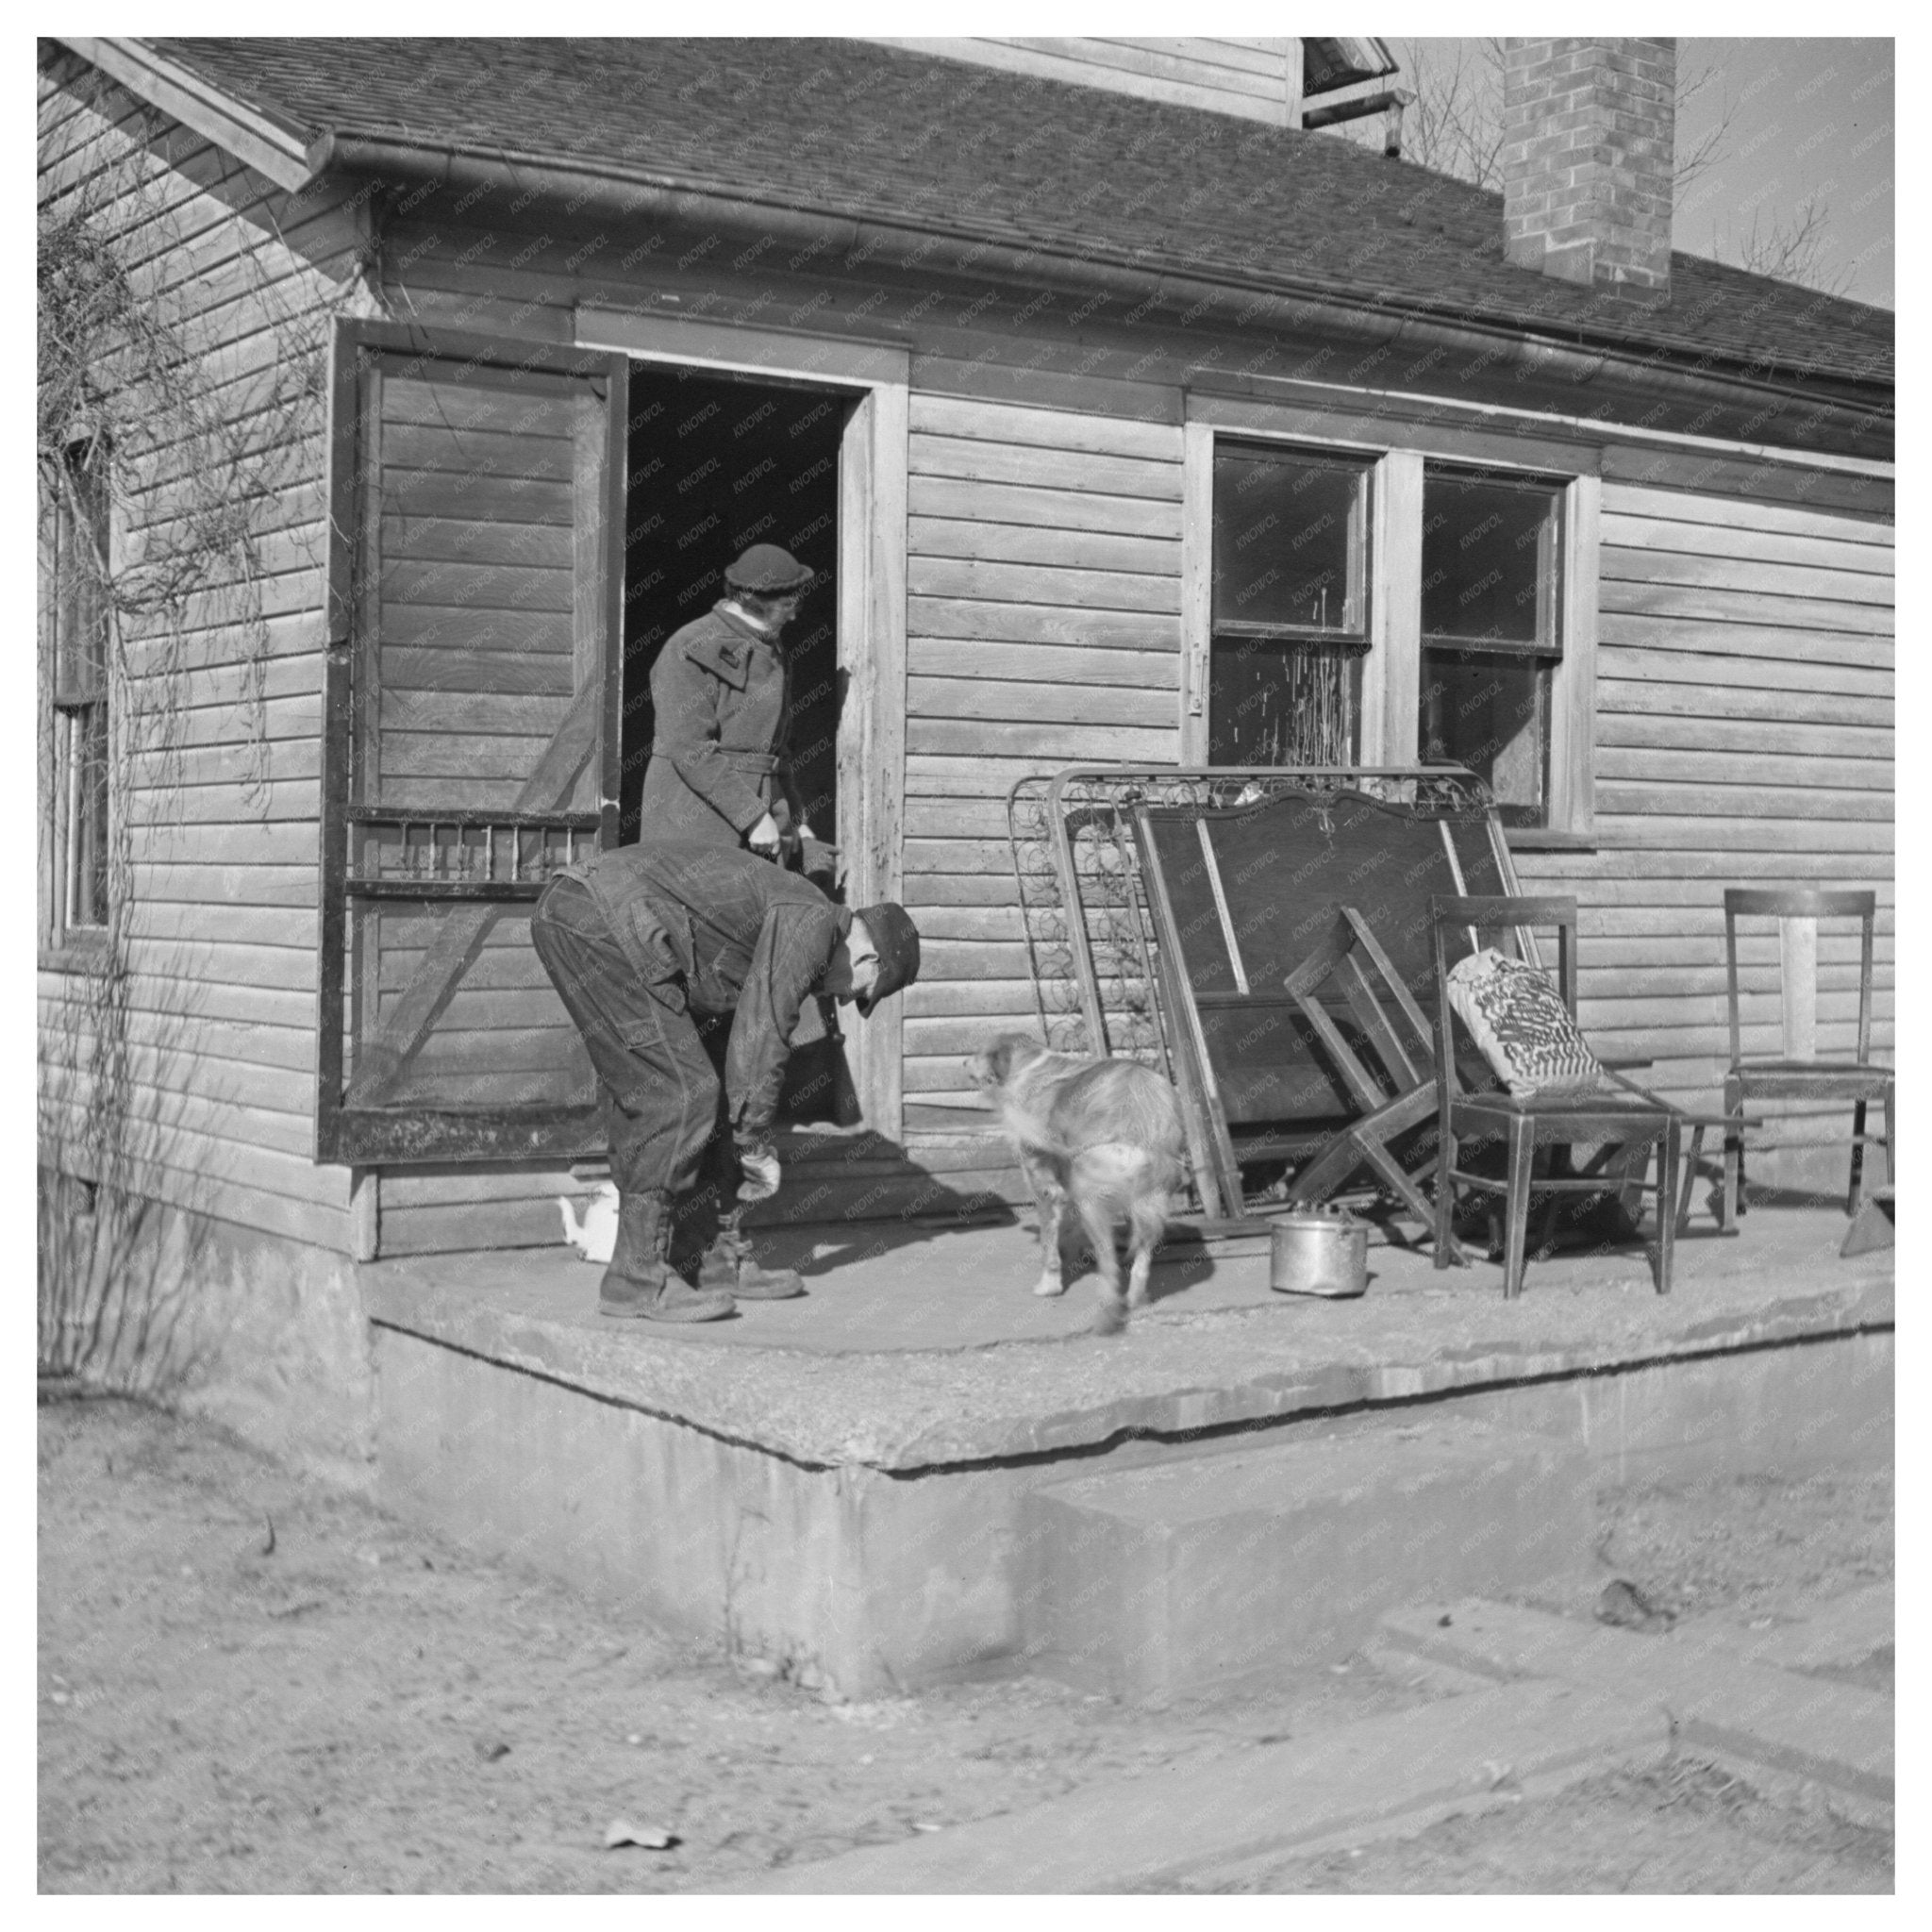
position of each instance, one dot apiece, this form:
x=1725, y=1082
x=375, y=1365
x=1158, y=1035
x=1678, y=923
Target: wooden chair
x=1398, y=1093
x=1626, y=1118
x=1803, y=1074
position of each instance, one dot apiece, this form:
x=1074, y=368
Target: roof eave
x=271, y=147
x=1370, y=318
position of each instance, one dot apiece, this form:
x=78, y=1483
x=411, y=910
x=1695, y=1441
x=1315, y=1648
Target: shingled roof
x=843, y=128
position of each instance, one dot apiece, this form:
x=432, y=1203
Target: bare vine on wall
x=206, y=388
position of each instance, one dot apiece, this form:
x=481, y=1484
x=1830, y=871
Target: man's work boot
x=727, y=1267
x=639, y=1282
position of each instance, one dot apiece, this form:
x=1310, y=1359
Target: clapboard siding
x=1744, y=737
x=220, y=762
x=1246, y=78
x=1043, y=628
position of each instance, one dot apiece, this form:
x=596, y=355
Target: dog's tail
x=1115, y=1181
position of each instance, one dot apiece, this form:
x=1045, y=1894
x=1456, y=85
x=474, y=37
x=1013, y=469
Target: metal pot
x=1319, y=1250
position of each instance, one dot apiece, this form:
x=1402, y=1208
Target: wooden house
x=1125, y=417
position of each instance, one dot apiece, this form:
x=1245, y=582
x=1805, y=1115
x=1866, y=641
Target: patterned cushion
x=1520, y=1021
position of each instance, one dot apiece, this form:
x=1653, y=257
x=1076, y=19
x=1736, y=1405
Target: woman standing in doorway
x=721, y=769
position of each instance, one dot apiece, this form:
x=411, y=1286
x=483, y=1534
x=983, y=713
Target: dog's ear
x=998, y=1059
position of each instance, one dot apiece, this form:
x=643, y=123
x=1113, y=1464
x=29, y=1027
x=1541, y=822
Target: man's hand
x=763, y=836
x=759, y=1168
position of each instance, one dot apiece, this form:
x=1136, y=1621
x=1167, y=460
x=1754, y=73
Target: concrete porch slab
x=845, y=1484
x=912, y=1351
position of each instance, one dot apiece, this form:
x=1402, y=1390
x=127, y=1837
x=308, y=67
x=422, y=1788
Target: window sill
x=74, y=955
x=1541, y=839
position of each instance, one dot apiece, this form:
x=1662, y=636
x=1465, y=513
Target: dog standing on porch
x=1102, y=1134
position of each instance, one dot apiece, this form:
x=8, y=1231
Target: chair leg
x=1516, y=1205
x=1690, y=1187
x=1890, y=1145
x=1734, y=1155
x=1670, y=1158
x=1446, y=1254
x=1855, y=1194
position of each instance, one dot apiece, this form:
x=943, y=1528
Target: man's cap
x=898, y=940
x=768, y=571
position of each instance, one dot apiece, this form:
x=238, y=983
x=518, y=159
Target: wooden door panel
x=473, y=702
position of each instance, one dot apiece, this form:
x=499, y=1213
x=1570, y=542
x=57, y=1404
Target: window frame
x=69, y=709
x=1399, y=448
x=1544, y=653
x=1349, y=641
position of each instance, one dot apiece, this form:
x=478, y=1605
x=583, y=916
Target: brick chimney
x=1589, y=139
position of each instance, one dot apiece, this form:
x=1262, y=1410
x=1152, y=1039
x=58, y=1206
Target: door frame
x=871, y=605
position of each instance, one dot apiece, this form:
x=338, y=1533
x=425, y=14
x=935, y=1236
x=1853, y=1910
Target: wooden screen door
x=471, y=713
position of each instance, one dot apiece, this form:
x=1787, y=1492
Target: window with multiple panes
x=74, y=656
x=1472, y=595
x=1291, y=607
x=1492, y=633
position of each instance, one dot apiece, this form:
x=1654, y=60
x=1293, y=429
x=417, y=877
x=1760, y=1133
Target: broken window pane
x=1283, y=704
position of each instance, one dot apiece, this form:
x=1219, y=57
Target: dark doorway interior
x=717, y=464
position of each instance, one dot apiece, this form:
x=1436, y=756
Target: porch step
x=1172, y=1575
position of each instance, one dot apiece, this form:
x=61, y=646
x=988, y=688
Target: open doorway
x=716, y=464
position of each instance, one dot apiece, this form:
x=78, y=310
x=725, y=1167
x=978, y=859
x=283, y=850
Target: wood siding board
x=1692, y=603
x=1090, y=433
x=969, y=460
x=1042, y=664
x=1065, y=742
x=1734, y=544
x=1773, y=520
x=446, y=627
x=993, y=1000
x=1792, y=835
x=957, y=888
x=1749, y=487
x=1125, y=630
x=1663, y=637
x=943, y=854
x=232, y=822
x=979, y=776
x=450, y=540
x=1748, y=577
x=515, y=502
x=1725, y=800
x=958, y=818
x=1082, y=70
x=1631, y=708
x=1043, y=381
x=997, y=699
x=1187, y=62
x=455, y=671
x=954, y=578
x=1718, y=769
x=1034, y=543
x=1029, y=505
x=479, y=587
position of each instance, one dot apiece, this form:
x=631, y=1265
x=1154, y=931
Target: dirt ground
x=249, y=1683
